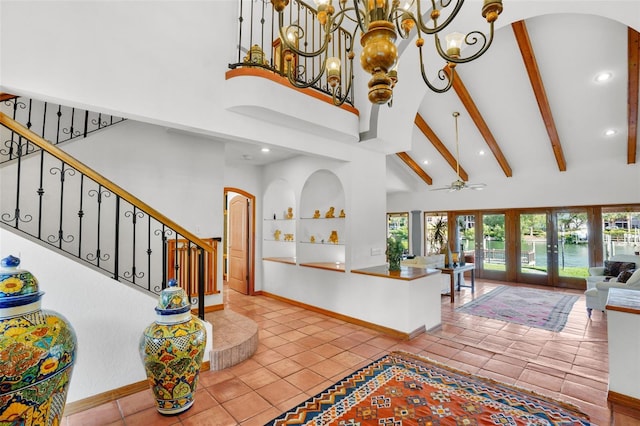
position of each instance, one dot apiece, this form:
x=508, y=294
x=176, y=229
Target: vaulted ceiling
x=531, y=102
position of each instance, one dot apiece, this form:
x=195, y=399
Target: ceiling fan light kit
x=459, y=184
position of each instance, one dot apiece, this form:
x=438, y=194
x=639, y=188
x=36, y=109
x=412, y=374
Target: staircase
x=52, y=197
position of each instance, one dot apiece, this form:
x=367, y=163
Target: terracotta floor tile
x=533, y=377
x=278, y=391
x=258, y=378
x=202, y=401
x=310, y=329
x=262, y=418
x=105, y=413
x=348, y=358
x=442, y=350
x=214, y=416
x=503, y=368
x=136, y=402
x=584, y=393
x=310, y=342
x=328, y=368
x=327, y=350
x=305, y=379
x=285, y=367
x=470, y=358
x=229, y=389
x=290, y=349
x=267, y=357
x=307, y=358
x=246, y=406
x=150, y=416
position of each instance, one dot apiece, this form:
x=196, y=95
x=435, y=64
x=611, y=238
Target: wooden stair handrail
x=63, y=156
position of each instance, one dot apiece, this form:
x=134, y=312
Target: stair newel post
x=116, y=257
x=201, y=279
x=164, y=257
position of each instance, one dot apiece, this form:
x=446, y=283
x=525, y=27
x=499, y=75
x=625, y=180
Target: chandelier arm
x=337, y=99
x=436, y=28
x=470, y=39
x=363, y=23
x=442, y=75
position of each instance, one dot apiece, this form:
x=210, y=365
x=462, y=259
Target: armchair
x=596, y=296
x=597, y=273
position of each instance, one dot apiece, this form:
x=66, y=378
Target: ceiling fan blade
x=444, y=188
x=476, y=186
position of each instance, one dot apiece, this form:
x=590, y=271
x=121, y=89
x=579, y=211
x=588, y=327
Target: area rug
x=521, y=305
x=406, y=389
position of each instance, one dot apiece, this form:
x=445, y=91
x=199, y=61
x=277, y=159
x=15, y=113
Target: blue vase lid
x=17, y=287
x=173, y=300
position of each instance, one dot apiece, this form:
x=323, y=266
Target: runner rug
x=406, y=389
x=521, y=305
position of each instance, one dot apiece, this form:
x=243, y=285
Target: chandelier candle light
x=380, y=23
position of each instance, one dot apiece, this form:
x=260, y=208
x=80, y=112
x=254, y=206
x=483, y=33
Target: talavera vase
x=37, y=352
x=171, y=349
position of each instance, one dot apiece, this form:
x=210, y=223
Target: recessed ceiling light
x=610, y=132
x=425, y=162
x=603, y=76
x=481, y=152
x=265, y=150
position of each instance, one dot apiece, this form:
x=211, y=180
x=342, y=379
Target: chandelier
x=380, y=22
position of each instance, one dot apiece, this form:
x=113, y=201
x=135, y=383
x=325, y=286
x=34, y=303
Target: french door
x=553, y=247
x=482, y=239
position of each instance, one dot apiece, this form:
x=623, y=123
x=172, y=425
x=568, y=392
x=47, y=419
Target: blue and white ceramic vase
x=37, y=352
x=171, y=349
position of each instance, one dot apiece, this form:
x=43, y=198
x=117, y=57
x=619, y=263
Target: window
x=398, y=228
x=435, y=232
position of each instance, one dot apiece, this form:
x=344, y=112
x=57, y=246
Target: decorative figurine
x=316, y=214
x=330, y=213
x=333, y=238
x=290, y=213
x=288, y=237
x=342, y=213
x=171, y=349
x=37, y=352
x=312, y=238
x=276, y=234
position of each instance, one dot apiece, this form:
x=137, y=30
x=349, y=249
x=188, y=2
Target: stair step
x=235, y=338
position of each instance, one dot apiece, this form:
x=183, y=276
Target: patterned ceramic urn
x=171, y=349
x=37, y=352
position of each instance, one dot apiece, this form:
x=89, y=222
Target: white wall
x=107, y=316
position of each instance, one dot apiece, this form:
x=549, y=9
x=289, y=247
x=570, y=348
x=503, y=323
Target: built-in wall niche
x=322, y=220
x=279, y=222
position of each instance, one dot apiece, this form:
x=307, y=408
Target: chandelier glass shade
x=380, y=23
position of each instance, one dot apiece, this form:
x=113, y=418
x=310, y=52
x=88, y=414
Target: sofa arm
x=596, y=270
x=606, y=285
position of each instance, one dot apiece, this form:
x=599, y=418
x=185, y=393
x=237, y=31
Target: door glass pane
x=621, y=231
x=493, y=243
x=466, y=238
x=533, y=243
x=573, y=244
x=435, y=232
x=398, y=228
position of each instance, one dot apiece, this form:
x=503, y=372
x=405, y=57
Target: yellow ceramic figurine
x=333, y=238
x=330, y=213
x=316, y=214
x=276, y=234
x=342, y=213
x=290, y=213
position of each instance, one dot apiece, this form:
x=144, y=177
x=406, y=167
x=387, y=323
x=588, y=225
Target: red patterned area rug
x=406, y=389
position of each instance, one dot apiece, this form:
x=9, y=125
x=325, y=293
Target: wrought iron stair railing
x=54, y=123
x=54, y=198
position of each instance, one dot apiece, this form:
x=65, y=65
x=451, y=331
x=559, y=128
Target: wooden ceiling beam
x=632, y=96
x=415, y=167
x=530, y=63
x=438, y=145
x=475, y=115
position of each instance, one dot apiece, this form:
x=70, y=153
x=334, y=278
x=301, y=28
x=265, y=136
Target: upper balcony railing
x=259, y=44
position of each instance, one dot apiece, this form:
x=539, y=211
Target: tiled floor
x=301, y=353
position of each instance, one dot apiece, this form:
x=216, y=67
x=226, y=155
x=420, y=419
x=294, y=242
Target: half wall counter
x=404, y=304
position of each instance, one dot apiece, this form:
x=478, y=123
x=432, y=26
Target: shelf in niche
x=279, y=241
x=279, y=220
x=288, y=260
x=322, y=218
x=317, y=243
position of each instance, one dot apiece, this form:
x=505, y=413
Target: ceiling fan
x=459, y=184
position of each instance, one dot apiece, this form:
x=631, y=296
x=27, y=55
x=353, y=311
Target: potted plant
x=394, y=253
